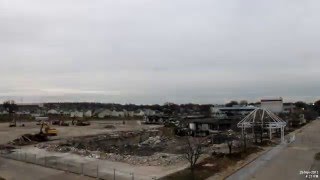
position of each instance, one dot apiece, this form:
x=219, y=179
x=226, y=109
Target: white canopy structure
x=265, y=119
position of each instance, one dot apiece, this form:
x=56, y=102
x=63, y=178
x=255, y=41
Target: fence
x=92, y=169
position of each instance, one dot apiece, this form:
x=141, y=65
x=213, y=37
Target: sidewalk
x=234, y=171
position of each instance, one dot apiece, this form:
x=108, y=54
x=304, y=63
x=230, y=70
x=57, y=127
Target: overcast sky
x=154, y=51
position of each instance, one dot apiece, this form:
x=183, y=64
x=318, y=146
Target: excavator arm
x=48, y=130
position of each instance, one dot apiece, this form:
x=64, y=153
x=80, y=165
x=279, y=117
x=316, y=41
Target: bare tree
x=193, y=150
x=230, y=143
x=243, y=102
x=232, y=103
x=11, y=107
x=231, y=137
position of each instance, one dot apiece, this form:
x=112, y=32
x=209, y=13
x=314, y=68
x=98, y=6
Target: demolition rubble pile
x=28, y=139
x=147, y=152
x=157, y=159
x=6, y=148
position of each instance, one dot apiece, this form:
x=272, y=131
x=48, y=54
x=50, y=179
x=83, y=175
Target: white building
x=275, y=105
x=117, y=113
x=88, y=113
x=76, y=114
x=149, y=112
x=66, y=113
x=35, y=114
x=105, y=113
x=128, y=113
x=53, y=111
x=4, y=112
x=139, y=113
x=221, y=112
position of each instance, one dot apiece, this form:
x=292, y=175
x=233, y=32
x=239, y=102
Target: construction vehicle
x=60, y=123
x=13, y=123
x=79, y=122
x=48, y=131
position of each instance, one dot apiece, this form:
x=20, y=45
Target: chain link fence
x=91, y=169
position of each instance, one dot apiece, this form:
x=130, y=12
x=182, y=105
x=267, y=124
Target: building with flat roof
x=224, y=112
x=274, y=105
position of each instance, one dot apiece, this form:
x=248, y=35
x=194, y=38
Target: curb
x=230, y=174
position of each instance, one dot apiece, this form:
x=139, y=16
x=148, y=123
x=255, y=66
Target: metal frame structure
x=264, y=118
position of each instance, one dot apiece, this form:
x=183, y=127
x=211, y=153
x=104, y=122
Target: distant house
x=223, y=112
x=4, y=112
x=104, y=113
x=76, y=114
x=88, y=113
x=159, y=113
x=53, y=111
x=35, y=114
x=139, y=113
x=149, y=112
x=23, y=113
x=65, y=113
x=42, y=118
x=128, y=113
x=117, y=113
x=96, y=112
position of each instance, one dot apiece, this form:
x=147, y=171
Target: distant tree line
x=310, y=110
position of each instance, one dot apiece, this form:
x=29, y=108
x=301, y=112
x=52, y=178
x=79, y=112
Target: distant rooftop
x=238, y=108
x=271, y=99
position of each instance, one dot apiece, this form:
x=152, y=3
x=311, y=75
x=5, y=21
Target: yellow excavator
x=48, y=130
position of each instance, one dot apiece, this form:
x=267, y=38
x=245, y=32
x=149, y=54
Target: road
x=16, y=170
x=286, y=161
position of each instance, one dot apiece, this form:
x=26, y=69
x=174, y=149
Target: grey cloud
x=157, y=51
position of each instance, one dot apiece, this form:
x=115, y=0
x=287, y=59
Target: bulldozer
x=48, y=131
x=80, y=122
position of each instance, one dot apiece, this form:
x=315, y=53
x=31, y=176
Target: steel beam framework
x=264, y=118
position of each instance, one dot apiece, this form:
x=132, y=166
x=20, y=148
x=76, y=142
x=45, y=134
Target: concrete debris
x=148, y=152
x=132, y=147
x=157, y=159
x=152, y=141
x=28, y=139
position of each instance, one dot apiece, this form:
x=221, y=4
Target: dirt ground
x=14, y=170
x=97, y=127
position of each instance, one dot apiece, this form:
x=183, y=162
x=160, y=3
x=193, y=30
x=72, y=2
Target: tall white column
x=270, y=132
x=282, y=134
